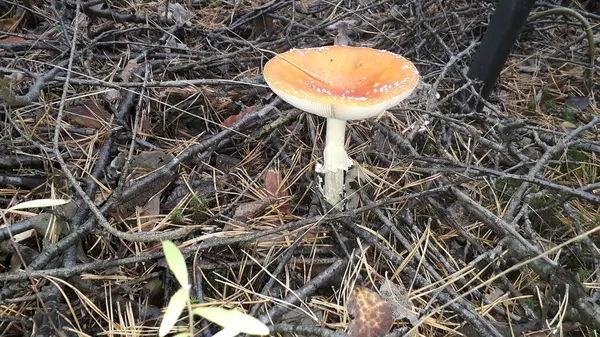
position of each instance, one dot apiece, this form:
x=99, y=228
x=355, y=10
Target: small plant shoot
x=233, y=321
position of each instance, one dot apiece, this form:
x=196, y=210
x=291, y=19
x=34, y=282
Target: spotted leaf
x=372, y=314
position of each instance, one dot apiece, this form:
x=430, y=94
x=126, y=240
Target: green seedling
x=233, y=322
x=177, y=216
x=568, y=114
x=584, y=274
x=198, y=205
x=533, y=304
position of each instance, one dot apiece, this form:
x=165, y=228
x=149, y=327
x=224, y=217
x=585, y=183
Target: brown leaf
x=273, y=184
x=8, y=25
x=251, y=209
x=372, y=315
x=17, y=39
x=272, y=181
x=131, y=67
x=8, y=40
x=89, y=114
x=232, y=119
x=177, y=95
x=145, y=124
x=149, y=213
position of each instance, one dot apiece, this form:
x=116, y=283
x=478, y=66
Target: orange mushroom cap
x=341, y=82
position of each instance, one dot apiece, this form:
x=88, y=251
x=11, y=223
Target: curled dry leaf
x=372, y=314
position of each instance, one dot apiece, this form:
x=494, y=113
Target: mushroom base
x=333, y=188
x=336, y=161
x=335, y=155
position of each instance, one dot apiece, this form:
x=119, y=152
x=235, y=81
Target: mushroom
x=340, y=83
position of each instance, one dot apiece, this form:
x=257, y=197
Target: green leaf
x=233, y=320
x=174, y=309
x=176, y=263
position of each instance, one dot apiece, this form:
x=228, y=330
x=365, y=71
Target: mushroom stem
x=335, y=160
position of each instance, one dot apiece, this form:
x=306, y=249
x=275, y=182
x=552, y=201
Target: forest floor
x=127, y=123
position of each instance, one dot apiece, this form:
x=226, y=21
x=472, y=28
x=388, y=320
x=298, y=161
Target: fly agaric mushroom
x=340, y=83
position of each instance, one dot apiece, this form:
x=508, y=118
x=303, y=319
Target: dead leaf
x=493, y=294
x=232, y=119
x=149, y=213
x=174, y=42
x=372, y=315
x=131, y=67
x=8, y=40
x=397, y=297
x=529, y=69
x=354, y=179
x=300, y=317
x=226, y=163
x=201, y=188
x=128, y=202
x=251, y=209
x=273, y=184
x=11, y=39
x=9, y=24
x=145, y=124
x=567, y=126
x=89, y=113
x=223, y=102
x=580, y=103
x=16, y=77
x=342, y=38
x=272, y=180
x=179, y=14
x=178, y=93
x=116, y=94
x=151, y=159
